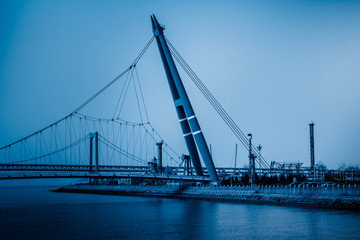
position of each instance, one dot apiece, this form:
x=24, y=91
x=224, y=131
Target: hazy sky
x=275, y=66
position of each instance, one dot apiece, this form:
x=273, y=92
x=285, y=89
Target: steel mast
x=192, y=133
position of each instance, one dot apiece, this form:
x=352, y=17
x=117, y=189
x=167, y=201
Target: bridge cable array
x=215, y=104
x=68, y=140
x=69, y=137
x=137, y=59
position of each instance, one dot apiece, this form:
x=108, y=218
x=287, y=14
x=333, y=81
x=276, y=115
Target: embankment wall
x=312, y=196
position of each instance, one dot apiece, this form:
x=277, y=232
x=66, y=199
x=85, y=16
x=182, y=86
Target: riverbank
x=309, y=197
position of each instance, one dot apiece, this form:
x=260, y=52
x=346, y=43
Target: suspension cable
x=137, y=59
x=54, y=152
x=216, y=105
x=142, y=95
x=119, y=150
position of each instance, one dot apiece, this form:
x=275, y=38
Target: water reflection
x=27, y=213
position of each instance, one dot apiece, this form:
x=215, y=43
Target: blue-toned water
x=36, y=213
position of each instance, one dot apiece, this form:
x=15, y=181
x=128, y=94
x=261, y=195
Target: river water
x=33, y=212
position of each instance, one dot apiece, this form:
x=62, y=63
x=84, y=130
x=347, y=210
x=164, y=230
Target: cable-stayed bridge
x=88, y=146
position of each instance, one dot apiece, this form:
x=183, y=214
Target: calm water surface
x=36, y=213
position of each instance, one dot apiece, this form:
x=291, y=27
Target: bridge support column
x=159, y=164
x=96, y=152
x=188, y=167
x=91, y=153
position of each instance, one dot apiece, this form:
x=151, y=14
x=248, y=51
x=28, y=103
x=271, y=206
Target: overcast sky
x=275, y=66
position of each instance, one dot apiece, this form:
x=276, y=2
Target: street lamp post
x=251, y=161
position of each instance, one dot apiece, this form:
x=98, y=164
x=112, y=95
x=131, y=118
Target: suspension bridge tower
x=194, y=138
